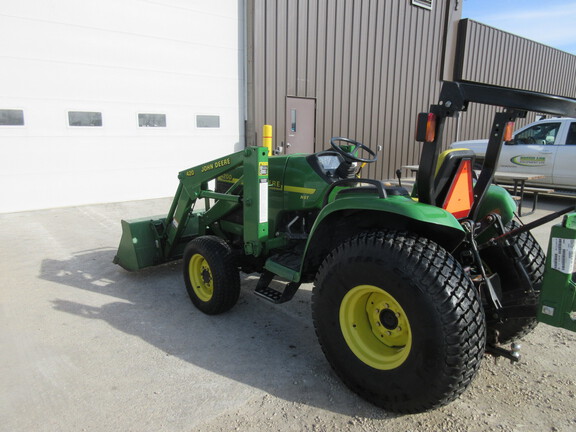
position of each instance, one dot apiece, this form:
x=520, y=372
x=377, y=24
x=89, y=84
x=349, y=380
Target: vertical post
x=255, y=199
x=250, y=88
x=267, y=138
x=492, y=155
x=426, y=177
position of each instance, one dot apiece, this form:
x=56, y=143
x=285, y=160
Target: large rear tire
x=399, y=320
x=534, y=262
x=211, y=276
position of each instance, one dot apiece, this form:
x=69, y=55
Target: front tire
x=211, y=276
x=399, y=320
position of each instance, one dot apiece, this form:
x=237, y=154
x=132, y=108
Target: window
x=571, y=138
x=151, y=120
x=84, y=118
x=293, y=120
x=207, y=121
x=542, y=134
x=426, y=4
x=11, y=117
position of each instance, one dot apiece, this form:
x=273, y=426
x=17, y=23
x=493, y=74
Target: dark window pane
x=152, y=120
x=83, y=118
x=207, y=121
x=11, y=117
x=541, y=134
x=571, y=139
x=293, y=120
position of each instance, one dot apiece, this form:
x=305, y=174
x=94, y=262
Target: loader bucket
x=139, y=246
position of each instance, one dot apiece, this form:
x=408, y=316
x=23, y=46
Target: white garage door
x=106, y=101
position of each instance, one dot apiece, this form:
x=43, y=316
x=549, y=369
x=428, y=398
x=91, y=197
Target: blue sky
x=551, y=22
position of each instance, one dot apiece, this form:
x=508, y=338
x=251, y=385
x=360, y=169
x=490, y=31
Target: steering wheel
x=349, y=155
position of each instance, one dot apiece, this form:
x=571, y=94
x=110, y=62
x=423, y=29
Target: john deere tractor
x=410, y=289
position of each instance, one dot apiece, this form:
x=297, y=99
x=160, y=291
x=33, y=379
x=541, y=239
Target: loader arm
x=147, y=242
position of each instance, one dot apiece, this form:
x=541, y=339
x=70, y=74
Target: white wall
x=119, y=57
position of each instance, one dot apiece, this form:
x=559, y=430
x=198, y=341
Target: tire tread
x=449, y=288
x=226, y=277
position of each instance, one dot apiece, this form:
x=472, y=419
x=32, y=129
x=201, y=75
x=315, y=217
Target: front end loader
x=410, y=289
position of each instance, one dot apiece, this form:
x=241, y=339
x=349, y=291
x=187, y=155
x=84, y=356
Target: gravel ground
x=88, y=346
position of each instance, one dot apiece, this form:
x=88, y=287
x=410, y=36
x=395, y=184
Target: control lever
x=399, y=175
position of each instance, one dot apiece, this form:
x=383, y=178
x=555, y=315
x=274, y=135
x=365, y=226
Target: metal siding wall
x=492, y=56
x=372, y=65
x=475, y=123
x=312, y=48
x=496, y=57
x=279, y=68
x=258, y=65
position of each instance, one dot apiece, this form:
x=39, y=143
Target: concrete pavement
x=89, y=346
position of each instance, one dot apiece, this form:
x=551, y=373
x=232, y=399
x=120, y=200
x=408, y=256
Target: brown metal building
x=363, y=69
x=492, y=56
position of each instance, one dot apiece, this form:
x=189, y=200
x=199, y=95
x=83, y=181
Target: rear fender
x=346, y=217
x=497, y=200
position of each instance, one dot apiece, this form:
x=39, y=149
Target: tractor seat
x=446, y=168
x=376, y=187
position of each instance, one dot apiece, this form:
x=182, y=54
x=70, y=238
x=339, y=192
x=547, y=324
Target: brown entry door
x=300, y=125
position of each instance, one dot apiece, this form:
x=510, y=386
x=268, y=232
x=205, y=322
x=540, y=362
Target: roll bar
x=455, y=97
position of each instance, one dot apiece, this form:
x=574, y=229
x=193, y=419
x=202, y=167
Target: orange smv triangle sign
x=461, y=194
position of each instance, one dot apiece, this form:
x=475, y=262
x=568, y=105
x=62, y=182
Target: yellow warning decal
x=263, y=169
x=301, y=190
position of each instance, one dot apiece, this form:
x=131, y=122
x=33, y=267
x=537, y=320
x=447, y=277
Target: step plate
x=270, y=294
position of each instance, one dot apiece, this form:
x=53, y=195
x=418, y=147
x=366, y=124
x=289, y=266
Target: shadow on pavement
x=266, y=346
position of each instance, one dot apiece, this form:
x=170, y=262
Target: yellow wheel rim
x=201, y=277
x=375, y=327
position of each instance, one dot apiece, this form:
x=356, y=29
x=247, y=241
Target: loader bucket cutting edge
x=138, y=245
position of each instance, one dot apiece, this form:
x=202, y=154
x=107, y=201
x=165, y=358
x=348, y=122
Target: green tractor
x=410, y=289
